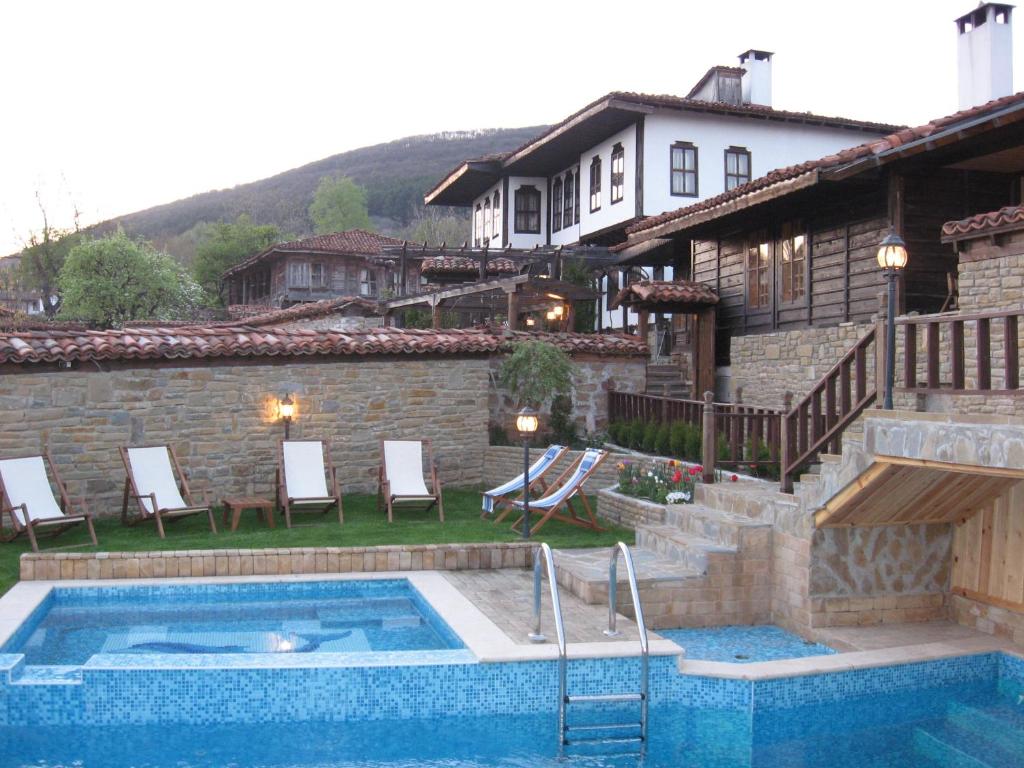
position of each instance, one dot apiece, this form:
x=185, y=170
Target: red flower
x=677, y=476
x=694, y=471
x=734, y=478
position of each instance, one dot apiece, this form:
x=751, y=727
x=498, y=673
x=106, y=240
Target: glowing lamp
x=892, y=252
x=527, y=422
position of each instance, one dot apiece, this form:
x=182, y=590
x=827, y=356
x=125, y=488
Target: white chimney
x=757, y=77
x=985, y=54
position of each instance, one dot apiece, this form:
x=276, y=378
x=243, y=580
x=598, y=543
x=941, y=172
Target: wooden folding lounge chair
x=26, y=495
x=400, y=478
x=303, y=471
x=504, y=495
x=560, y=499
x=151, y=471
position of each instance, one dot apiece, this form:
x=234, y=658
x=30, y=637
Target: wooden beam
x=837, y=502
x=504, y=283
x=974, y=469
x=513, y=310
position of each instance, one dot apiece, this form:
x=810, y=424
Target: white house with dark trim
x=628, y=156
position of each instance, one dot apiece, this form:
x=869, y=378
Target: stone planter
x=628, y=510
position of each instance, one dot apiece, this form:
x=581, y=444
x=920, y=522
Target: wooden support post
x=436, y=316
x=642, y=325
x=708, y=438
x=787, y=444
x=513, y=310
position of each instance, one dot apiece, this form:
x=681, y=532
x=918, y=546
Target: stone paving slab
x=506, y=598
x=592, y=565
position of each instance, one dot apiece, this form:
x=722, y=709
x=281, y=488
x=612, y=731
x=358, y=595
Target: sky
x=112, y=107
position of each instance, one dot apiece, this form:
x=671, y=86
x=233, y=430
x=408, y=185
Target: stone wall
x=991, y=274
x=221, y=417
x=628, y=511
x=592, y=379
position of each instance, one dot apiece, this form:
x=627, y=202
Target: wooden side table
x=234, y=505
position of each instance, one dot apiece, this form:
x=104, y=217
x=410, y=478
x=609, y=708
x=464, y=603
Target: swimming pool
x=742, y=645
x=73, y=625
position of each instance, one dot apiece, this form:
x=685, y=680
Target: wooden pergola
x=518, y=295
x=677, y=297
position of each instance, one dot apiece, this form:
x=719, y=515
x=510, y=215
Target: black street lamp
x=892, y=257
x=526, y=423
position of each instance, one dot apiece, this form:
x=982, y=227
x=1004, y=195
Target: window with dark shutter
x=758, y=261
x=595, y=184
x=496, y=213
x=618, y=176
x=684, y=169
x=556, y=205
x=487, y=219
x=792, y=253
x=737, y=167
x=527, y=207
x=569, y=199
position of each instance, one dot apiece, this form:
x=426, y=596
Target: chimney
x=757, y=77
x=985, y=54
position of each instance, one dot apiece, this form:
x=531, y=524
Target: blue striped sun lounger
x=537, y=471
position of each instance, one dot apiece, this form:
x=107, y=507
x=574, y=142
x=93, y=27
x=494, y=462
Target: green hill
x=396, y=176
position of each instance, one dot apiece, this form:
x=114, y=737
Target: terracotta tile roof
x=247, y=341
x=240, y=311
x=463, y=265
x=356, y=242
x=871, y=148
x=982, y=223
x=646, y=294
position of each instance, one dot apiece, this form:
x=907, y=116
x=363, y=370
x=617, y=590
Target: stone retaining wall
x=55, y=566
x=628, y=511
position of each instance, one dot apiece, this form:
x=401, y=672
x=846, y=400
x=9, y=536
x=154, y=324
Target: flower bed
x=661, y=481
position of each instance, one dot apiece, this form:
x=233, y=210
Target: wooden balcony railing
x=959, y=356
x=816, y=423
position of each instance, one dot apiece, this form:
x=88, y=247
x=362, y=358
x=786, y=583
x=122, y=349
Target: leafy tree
x=222, y=245
x=535, y=372
x=339, y=204
x=115, y=280
x=42, y=259
x=577, y=272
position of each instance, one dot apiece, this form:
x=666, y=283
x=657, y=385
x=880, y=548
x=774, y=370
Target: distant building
x=629, y=156
x=13, y=295
x=330, y=266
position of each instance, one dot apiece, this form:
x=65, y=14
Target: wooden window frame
x=302, y=268
x=684, y=145
x=556, y=204
x=758, y=276
x=738, y=151
x=569, y=200
x=478, y=224
x=579, y=194
x=617, y=179
x=487, y=219
x=367, y=282
x=522, y=193
x=595, y=183
x=323, y=281
x=792, y=280
x=496, y=213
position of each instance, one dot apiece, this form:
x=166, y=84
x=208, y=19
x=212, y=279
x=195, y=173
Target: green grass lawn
x=364, y=526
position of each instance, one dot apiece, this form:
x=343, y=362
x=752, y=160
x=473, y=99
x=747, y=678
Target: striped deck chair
x=502, y=495
x=558, y=501
x=26, y=495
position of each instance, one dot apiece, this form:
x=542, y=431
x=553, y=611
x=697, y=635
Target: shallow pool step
x=1005, y=730
x=47, y=675
x=950, y=747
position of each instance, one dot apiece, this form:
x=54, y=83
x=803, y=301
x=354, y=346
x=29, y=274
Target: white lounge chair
x=151, y=471
x=503, y=494
x=564, y=493
x=303, y=471
x=400, y=479
x=26, y=495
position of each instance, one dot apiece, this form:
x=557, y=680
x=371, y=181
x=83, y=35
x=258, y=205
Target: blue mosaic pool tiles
x=835, y=686
x=1011, y=667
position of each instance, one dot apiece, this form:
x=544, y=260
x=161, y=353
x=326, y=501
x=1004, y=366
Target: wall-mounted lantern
x=286, y=410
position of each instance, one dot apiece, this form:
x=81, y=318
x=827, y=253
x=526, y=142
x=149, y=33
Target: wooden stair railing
x=817, y=422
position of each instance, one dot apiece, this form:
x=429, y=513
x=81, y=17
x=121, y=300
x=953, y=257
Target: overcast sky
x=115, y=107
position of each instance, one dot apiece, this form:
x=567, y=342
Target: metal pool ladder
x=543, y=557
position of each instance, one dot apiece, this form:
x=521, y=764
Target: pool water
x=326, y=617
x=974, y=725
x=742, y=645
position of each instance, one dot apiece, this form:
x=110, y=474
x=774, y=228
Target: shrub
x=563, y=428
x=650, y=435
x=636, y=434
x=662, y=442
x=693, y=451
x=677, y=439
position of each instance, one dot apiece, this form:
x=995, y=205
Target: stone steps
x=584, y=572
x=687, y=549
x=721, y=527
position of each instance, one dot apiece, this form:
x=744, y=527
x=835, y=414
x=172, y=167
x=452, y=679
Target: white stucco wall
x=570, y=234
x=496, y=240
x=771, y=144
x=625, y=209
x=520, y=239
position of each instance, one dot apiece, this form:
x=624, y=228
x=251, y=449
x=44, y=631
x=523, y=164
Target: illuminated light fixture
x=559, y=310
x=530, y=322
x=286, y=410
x=892, y=252
x=555, y=296
x=550, y=315
x=527, y=423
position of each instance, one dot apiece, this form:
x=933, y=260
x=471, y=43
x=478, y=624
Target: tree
x=577, y=272
x=222, y=245
x=42, y=259
x=535, y=372
x=339, y=204
x=435, y=227
x=115, y=280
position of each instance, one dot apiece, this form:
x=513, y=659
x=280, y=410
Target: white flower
x=678, y=497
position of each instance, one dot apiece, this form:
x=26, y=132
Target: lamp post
x=892, y=257
x=526, y=423
x=286, y=408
